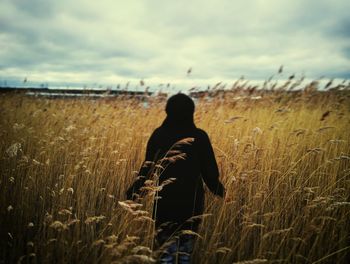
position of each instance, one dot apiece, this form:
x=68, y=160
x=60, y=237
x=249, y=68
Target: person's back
x=185, y=157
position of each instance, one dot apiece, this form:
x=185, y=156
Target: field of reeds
x=284, y=158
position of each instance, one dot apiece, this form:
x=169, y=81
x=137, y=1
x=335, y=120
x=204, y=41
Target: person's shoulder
x=155, y=136
x=156, y=131
x=201, y=134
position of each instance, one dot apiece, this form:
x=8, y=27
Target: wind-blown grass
x=66, y=164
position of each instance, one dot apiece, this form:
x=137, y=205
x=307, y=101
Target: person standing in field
x=186, y=158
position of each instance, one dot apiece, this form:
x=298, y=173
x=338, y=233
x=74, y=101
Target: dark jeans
x=177, y=249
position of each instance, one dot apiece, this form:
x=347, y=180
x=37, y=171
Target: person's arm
x=209, y=167
x=145, y=170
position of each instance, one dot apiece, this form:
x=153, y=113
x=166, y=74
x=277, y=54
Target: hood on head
x=180, y=109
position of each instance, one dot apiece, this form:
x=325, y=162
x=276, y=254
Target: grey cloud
x=346, y=52
x=36, y=8
x=341, y=29
x=161, y=40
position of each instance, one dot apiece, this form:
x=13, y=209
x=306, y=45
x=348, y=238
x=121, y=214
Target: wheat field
x=284, y=159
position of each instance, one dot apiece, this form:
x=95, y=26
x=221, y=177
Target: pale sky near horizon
x=112, y=41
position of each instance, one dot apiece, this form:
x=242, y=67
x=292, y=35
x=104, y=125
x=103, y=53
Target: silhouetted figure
x=190, y=161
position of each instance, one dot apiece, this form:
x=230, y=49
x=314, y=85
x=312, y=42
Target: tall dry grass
x=66, y=164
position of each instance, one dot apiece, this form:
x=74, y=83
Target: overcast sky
x=112, y=41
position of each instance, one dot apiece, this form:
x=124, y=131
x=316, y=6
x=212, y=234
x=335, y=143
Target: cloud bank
x=111, y=42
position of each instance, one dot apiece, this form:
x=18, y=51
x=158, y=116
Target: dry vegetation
x=284, y=159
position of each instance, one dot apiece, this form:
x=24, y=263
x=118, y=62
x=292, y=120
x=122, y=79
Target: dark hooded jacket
x=189, y=162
